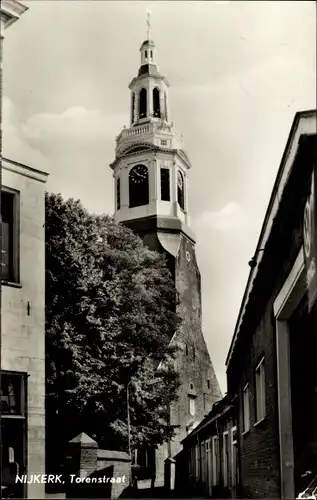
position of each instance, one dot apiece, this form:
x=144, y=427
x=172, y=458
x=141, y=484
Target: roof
x=25, y=170
x=297, y=129
x=150, y=43
x=11, y=10
x=148, y=69
x=113, y=455
x=84, y=440
x=219, y=408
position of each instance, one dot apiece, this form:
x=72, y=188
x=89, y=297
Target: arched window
x=180, y=190
x=138, y=186
x=156, y=103
x=118, y=194
x=143, y=104
x=132, y=107
x=165, y=106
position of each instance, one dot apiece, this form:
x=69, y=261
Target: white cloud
x=69, y=146
x=231, y=218
x=15, y=146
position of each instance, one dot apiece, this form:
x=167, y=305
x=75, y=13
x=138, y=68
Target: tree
x=110, y=316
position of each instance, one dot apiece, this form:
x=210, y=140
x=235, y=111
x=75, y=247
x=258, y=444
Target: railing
x=143, y=129
x=148, y=128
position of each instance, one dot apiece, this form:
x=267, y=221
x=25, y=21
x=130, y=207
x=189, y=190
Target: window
x=203, y=462
x=165, y=184
x=145, y=458
x=186, y=348
x=192, y=405
x=246, y=408
x=165, y=106
x=13, y=430
x=163, y=142
x=156, y=103
x=180, y=189
x=194, y=353
x=234, y=461
x=138, y=186
x=208, y=384
x=225, y=458
x=197, y=463
x=132, y=107
x=146, y=54
x=118, y=194
x=9, y=251
x=151, y=53
x=215, y=460
x=143, y=103
x=260, y=390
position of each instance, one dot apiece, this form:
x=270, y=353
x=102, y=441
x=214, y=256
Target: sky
x=239, y=71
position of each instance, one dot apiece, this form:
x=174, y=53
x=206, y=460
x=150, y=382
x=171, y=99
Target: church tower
x=151, y=183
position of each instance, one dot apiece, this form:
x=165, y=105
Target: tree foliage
x=110, y=316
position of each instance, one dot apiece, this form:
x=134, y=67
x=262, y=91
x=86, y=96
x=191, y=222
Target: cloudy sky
x=239, y=71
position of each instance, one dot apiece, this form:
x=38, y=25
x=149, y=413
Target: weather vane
x=148, y=23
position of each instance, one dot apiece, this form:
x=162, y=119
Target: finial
x=148, y=22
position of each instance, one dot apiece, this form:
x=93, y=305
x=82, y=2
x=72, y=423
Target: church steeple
x=148, y=49
x=151, y=185
x=149, y=90
x=151, y=166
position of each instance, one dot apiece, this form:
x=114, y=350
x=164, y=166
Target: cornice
x=10, y=11
x=147, y=76
x=151, y=148
x=25, y=170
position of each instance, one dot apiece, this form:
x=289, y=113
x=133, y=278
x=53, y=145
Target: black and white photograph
x=158, y=249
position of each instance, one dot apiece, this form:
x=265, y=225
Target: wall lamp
x=253, y=262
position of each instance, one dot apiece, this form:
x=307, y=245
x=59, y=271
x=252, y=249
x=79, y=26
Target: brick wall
x=259, y=447
x=193, y=361
x=23, y=334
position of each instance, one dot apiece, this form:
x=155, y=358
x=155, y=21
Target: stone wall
x=96, y=473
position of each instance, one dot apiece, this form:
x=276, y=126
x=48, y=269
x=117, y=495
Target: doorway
x=303, y=377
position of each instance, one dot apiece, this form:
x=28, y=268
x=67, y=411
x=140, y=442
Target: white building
x=22, y=315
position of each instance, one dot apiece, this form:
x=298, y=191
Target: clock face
x=139, y=174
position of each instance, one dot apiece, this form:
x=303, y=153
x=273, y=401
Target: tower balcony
x=157, y=133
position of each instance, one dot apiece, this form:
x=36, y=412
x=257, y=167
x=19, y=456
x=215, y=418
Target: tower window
x=156, y=103
x=192, y=405
x=165, y=184
x=132, y=107
x=146, y=54
x=118, y=194
x=180, y=190
x=194, y=353
x=186, y=350
x=138, y=186
x=143, y=104
x=208, y=384
x=151, y=54
x=165, y=106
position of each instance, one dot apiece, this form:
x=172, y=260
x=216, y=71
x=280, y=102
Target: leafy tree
x=110, y=316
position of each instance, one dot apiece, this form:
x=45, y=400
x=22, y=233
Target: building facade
x=272, y=361
x=208, y=464
x=151, y=181
x=22, y=328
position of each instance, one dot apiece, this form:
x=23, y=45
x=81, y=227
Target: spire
x=148, y=50
x=148, y=23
